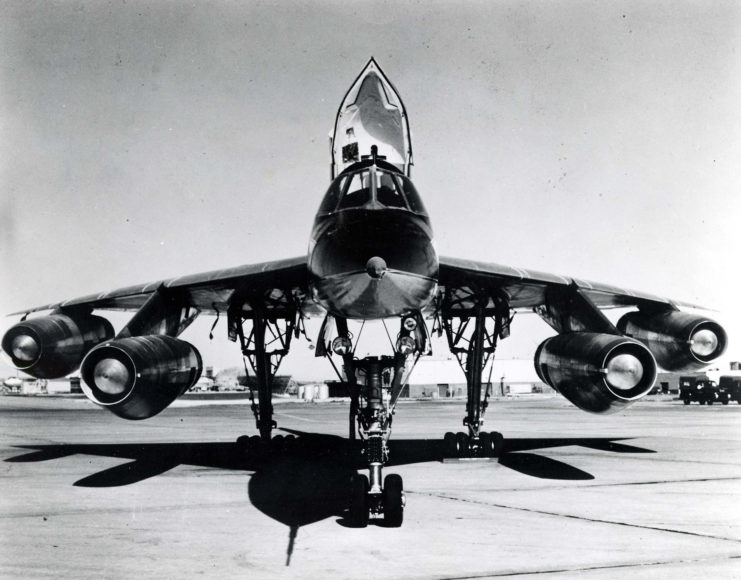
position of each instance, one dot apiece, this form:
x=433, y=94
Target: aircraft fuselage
x=372, y=261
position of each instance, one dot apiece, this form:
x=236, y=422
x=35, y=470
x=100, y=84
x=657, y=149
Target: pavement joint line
x=279, y=414
x=617, y=484
x=575, y=517
x=635, y=457
x=659, y=482
x=591, y=568
x=113, y=510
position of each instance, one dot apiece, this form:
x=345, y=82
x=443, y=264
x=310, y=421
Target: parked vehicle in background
x=702, y=390
x=731, y=386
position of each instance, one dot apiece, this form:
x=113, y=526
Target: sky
x=146, y=140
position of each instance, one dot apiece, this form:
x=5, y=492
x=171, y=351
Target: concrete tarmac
x=652, y=492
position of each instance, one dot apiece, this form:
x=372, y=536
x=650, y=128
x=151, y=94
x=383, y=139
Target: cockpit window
x=388, y=192
x=358, y=191
x=410, y=192
x=332, y=197
x=372, y=183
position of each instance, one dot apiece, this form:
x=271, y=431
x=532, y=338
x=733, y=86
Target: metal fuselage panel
x=371, y=253
x=343, y=242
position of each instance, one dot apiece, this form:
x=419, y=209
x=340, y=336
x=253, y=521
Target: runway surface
x=653, y=492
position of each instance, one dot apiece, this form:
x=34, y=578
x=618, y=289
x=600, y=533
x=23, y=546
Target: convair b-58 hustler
x=371, y=257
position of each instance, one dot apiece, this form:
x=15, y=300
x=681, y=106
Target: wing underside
x=212, y=292
x=140, y=370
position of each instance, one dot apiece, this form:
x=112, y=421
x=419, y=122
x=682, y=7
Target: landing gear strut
x=474, y=346
x=375, y=384
x=264, y=326
x=374, y=495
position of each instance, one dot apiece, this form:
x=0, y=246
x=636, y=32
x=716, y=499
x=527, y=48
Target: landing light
x=410, y=324
x=341, y=345
x=704, y=342
x=624, y=372
x=406, y=345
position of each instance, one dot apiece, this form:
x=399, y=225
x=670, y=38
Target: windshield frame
x=373, y=172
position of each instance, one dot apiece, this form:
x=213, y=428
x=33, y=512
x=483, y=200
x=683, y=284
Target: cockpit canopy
x=372, y=185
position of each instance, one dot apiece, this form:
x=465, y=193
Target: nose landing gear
x=389, y=504
x=375, y=385
x=374, y=496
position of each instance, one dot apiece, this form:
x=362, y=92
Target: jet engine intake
x=139, y=376
x=53, y=346
x=599, y=373
x=678, y=340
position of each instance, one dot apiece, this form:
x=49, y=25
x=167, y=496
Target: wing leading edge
x=209, y=292
x=213, y=290
x=528, y=288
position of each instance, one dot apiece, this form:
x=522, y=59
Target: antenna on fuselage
x=374, y=155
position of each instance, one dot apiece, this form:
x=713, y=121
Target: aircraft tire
x=256, y=447
x=462, y=440
x=393, y=500
x=686, y=401
x=243, y=444
x=450, y=445
x=487, y=444
x=498, y=441
x=359, y=505
x=278, y=444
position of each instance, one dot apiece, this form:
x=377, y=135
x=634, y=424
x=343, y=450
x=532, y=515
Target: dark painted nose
x=376, y=267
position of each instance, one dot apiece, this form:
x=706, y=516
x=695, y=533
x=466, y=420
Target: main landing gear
x=264, y=326
x=473, y=322
x=465, y=446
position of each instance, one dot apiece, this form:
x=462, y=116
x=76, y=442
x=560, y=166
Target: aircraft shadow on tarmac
x=309, y=482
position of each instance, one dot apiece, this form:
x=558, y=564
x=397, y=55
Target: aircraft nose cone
x=376, y=267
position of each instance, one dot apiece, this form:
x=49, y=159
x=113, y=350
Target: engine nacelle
x=139, y=376
x=53, y=346
x=599, y=373
x=678, y=340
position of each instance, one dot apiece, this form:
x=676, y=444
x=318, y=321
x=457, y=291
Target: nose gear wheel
x=393, y=500
x=359, y=504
